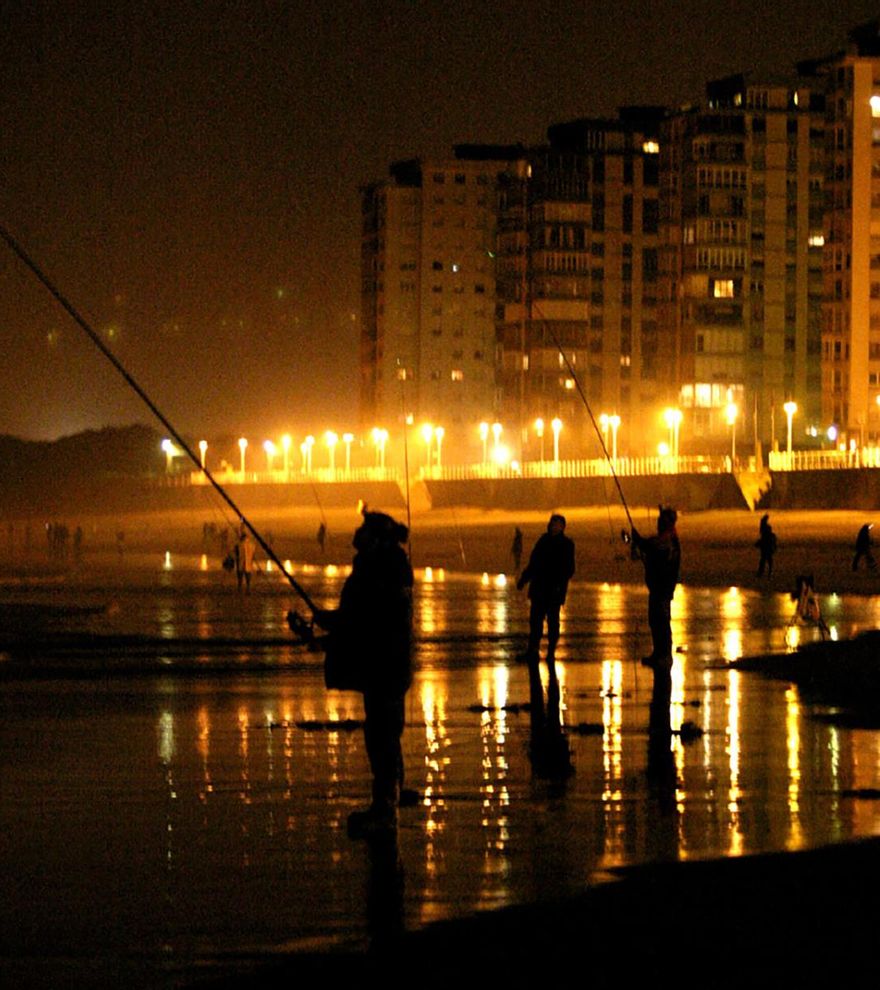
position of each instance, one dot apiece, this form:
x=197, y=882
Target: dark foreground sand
x=794, y=919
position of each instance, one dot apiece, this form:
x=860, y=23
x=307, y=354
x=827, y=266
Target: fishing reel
x=302, y=629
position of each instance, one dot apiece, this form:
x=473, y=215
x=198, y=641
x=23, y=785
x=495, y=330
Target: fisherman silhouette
x=766, y=543
x=550, y=568
x=373, y=629
x=661, y=555
x=863, y=548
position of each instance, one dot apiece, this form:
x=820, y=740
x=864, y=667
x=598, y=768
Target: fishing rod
x=586, y=403
x=83, y=324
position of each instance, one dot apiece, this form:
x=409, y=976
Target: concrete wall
x=856, y=488
x=692, y=492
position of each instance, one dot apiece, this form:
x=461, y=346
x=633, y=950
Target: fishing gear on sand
x=83, y=324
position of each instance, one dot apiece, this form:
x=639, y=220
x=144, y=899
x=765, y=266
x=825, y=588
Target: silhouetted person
x=322, y=537
x=516, y=549
x=550, y=568
x=244, y=560
x=661, y=555
x=766, y=543
x=863, y=548
x=372, y=632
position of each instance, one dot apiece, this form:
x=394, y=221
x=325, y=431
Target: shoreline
x=718, y=546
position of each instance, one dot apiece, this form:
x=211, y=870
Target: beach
x=176, y=779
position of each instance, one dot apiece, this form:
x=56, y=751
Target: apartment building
x=741, y=283
x=428, y=294
x=850, y=81
x=577, y=268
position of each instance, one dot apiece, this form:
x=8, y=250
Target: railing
x=624, y=467
x=292, y=477
x=824, y=460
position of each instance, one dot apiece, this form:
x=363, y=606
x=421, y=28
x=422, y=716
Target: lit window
x=651, y=148
x=816, y=240
x=457, y=375
x=875, y=105
x=723, y=288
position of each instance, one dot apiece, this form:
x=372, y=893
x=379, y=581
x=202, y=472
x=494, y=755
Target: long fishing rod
x=586, y=403
x=82, y=323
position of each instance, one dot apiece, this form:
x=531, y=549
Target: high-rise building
x=428, y=294
x=742, y=202
x=577, y=282
x=851, y=310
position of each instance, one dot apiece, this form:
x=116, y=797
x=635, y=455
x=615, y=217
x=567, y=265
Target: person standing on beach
x=516, y=549
x=550, y=568
x=244, y=559
x=766, y=543
x=661, y=555
x=372, y=630
x=863, y=548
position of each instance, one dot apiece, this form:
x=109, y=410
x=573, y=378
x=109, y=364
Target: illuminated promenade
x=176, y=803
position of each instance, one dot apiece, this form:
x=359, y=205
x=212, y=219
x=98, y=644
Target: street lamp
x=306, y=448
x=732, y=411
x=203, y=449
x=380, y=438
x=790, y=409
x=614, y=420
x=556, y=426
x=271, y=451
x=169, y=451
x=347, y=439
x=605, y=422
x=439, y=433
x=285, y=446
x=427, y=436
x=242, y=446
x=672, y=417
x=331, y=439
x=484, y=436
x=539, y=430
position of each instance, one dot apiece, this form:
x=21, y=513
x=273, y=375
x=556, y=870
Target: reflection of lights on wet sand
x=203, y=562
x=732, y=649
x=331, y=570
x=167, y=746
x=484, y=580
x=793, y=746
x=733, y=749
x=428, y=574
x=612, y=718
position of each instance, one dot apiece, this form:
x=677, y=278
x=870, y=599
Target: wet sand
x=718, y=547
x=177, y=827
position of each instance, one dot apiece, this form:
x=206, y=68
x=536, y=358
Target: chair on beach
x=807, y=608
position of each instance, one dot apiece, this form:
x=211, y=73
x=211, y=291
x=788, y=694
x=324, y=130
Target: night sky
x=189, y=173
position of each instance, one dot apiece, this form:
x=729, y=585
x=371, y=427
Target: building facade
x=742, y=200
x=577, y=272
x=428, y=295
x=850, y=81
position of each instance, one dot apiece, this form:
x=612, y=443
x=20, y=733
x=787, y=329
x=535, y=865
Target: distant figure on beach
x=766, y=543
x=244, y=559
x=661, y=555
x=863, y=548
x=516, y=549
x=550, y=568
x=120, y=542
x=371, y=635
x=322, y=537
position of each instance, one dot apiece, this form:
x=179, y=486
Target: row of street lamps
x=433, y=440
